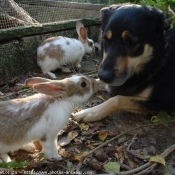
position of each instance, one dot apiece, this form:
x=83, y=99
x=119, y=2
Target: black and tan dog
x=138, y=62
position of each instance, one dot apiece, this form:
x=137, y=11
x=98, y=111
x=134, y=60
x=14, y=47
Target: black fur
x=147, y=25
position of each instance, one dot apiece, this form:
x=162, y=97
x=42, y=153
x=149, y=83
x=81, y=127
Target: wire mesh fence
x=14, y=13
x=18, y=55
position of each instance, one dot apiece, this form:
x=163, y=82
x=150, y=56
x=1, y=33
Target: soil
x=146, y=141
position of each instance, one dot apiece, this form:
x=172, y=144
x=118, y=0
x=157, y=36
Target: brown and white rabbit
x=42, y=115
x=55, y=52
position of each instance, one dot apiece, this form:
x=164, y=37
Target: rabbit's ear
x=55, y=89
x=81, y=31
x=35, y=80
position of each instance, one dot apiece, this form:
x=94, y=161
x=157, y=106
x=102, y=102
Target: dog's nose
x=106, y=75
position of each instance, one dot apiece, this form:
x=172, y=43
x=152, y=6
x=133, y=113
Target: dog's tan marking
x=121, y=64
x=104, y=56
x=125, y=34
x=109, y=34
x=133, y=63
x=146, y=92
x=137, y=63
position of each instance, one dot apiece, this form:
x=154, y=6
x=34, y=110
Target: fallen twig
x=88, y=73
x=132, y=141
x=170, y=10
x=114, y=138
x=146, y=168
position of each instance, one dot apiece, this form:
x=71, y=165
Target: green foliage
x=162, y=117
x=41, y=155
x=160, y=4
x=13, y=164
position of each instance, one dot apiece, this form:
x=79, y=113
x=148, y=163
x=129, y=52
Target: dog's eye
x=83, y=84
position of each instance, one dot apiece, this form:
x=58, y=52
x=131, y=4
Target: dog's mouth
x=121, y=78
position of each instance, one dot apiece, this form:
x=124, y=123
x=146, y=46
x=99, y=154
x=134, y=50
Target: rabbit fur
x=55, y=52
x=42, y=115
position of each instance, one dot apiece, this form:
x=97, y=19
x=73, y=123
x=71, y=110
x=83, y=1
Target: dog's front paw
x=86, y=115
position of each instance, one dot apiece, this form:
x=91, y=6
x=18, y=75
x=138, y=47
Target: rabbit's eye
x=83, y=84
x=90, y=44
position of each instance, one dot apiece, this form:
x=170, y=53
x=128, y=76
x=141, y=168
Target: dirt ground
x=129, y=151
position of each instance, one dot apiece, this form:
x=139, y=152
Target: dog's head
x=130, y=34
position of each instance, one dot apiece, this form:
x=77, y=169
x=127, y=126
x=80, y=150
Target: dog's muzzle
x=106, y=75
x=113, y=77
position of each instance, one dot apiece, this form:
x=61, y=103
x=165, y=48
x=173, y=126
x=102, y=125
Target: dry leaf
x=120, y=149
x=78, y=110
x=116, y=156
x=79, y=156
x=84, y=126
x=112, y=167
x=71, y=135
x=77, y=141
x=88, y=145
x=101, y=155
x=102, y=135
x=122, y=159
x=157, y=159
x=94, y=128
x=110, y=151
x=69, y=127
x=137, y=153
x=64, y=141
x=128, y=158
x=101, y=98
x=94, y=164
x=64, y=153
x=114, y=132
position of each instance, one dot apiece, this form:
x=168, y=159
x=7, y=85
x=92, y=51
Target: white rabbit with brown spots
x=55, y=52
x=42, y=115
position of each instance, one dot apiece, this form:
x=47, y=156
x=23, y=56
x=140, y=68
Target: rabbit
x=42, y=115
x=55, y=52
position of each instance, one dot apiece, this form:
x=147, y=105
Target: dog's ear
x=106, y=12
x=166, y=21
x=162, y=21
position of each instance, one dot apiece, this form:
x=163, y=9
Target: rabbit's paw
x=5, y=158
x=65, y=70
x=55, y=157
x=51, y=75
x=58, y=157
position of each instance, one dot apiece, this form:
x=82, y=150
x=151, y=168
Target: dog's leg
x=114, y=104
